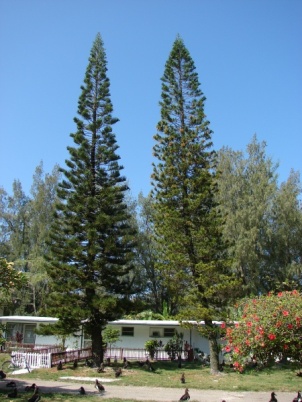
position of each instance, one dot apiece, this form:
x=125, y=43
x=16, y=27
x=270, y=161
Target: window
x=29, y=333
x=169, y=332
x=155, y=332
x=127, y=331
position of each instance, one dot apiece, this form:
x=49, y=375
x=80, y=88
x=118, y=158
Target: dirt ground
x=147, y=393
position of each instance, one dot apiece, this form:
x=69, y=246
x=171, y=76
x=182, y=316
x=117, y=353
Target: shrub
x=270, y=328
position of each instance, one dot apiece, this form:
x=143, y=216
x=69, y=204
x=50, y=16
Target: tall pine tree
x=91, y=238
x=192, y=255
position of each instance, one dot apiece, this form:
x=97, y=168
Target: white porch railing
x=34, y=360
x=136, y=354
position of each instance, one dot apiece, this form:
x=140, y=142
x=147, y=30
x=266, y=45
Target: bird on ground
x=30, y=387
x=298, y=397
x=182, y=378
x=35, y=396
x=101, y=369
x=11, y=384
x=98, y=386
x=2, y=375
x=60, y=366
x=118, y=372
x=273, y=397
x=82, y=391
x=126, y=363
x=75, y=364
x=185, y=396
x=13, y=393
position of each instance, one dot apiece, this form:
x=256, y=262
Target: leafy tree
x=174, y=346
x=92, y=238
x=10, y=281
x=262, y=222
x=111, y=336
x=284, y=243
x=154, y=293
x=9, y=277
x=15, y=221
x=25, y=223
x=269, y=327
x=191, y=254
x=151, y=347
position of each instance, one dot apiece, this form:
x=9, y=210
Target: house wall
x=143, y=333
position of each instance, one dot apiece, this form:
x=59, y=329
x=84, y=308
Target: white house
x=133, y=333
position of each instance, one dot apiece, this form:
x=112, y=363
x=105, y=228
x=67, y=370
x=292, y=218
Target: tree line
x=216, y=226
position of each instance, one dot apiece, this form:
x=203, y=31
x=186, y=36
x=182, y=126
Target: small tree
x=152, y=347
x=269, y=328
x=9, y=277
x=110, y=336
x=174, y=346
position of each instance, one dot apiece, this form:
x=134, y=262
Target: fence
x=136, y=354
x=34, y=360
x=50, y=357
x=70, y=356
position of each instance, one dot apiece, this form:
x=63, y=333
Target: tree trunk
x=97, y=345
x=214, y=355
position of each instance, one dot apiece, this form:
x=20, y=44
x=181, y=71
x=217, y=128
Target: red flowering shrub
x=269, y=327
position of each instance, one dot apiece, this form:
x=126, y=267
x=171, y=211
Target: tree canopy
x=91, y=238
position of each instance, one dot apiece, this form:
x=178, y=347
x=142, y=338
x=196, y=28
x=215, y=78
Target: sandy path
x=149, y=394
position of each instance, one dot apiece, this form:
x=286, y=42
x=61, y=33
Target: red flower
x=227, y=349
x=271, y=337
x=249, y=323
x=290, y=326
x=280, y=294
x=285, y=313
x=222, y=325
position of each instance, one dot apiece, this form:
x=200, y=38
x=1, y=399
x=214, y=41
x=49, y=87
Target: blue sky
x=248, y=55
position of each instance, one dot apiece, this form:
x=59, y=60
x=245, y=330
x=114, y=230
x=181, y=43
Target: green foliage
x=152, y=346
x=191, y=253
x=262, y=223
x=269, y=328
x=111, y=336
x=92, y=237
x=145, y=315
x=9, y=277
x=2, y=329
x=174, y=346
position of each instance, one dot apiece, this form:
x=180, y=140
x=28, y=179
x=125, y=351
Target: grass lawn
x=167, y=374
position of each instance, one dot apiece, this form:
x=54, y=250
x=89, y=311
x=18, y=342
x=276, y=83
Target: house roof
x=156, y=323
x=27, y=318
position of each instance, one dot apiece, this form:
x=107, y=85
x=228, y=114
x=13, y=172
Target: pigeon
x=30, y=387
x=60, y=366
x=11, y=384
x=182, y=378
x=98, y=386
x=101, y=369
x=82, y=391
x=118, y=372
x=185, y=396
x=35, y=396
x=2, y=375
x=298, y=397
x=13, y=394
x=273, y=397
